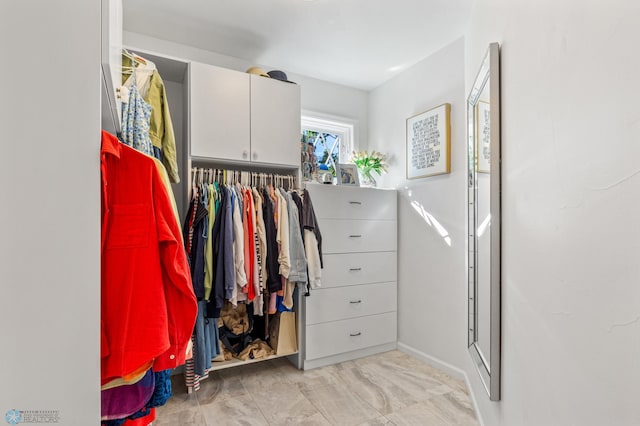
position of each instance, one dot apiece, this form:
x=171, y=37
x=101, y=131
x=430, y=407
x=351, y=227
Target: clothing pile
x=248, y=249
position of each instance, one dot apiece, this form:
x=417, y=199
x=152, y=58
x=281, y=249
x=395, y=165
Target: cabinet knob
x=355, y=269
x=355, y=202
x=353, y=302
x=245, y=154
x=355, y=236
x=355, y=334
x=255, y=155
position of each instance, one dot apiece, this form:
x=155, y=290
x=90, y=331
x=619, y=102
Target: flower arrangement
x=368, y=162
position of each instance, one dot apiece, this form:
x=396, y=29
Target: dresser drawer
x=336, y=337
x=344, y=202
x=340, y=303
x=349, y=236
x=359, y=268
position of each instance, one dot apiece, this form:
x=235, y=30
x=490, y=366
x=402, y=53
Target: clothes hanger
x=137, y=59
x=193, y=189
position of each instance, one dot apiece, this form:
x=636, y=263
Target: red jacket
x=148, y=305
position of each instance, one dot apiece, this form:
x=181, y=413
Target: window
x=329, y=140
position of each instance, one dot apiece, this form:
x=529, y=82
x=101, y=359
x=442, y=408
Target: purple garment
x=125, y=400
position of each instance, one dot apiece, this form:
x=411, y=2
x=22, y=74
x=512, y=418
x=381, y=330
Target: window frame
x=326, y=123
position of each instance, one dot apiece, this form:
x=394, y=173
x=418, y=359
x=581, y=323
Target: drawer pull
x=355, y=202
x=355, y=269
x=355, y=236
x=355, y=334
x=355, y=301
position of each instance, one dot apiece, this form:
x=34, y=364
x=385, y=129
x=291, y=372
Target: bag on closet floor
x=283, y=333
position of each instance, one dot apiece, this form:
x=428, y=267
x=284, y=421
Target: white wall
x=50, y=208
x=316, y=95
x=571, y=143
x=431, y=211
x=571, y=228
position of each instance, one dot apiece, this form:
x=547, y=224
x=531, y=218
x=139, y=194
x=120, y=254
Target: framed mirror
x=483, y=196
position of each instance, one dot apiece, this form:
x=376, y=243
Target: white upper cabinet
x=219, y=113
x=111, y=58
x=237, y=116
x=275, y=121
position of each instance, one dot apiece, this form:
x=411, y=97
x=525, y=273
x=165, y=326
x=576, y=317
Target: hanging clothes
x=129, y=379
x=151, y=87
x=144, y=267
x=222, y=271
x=238, y=251
x=123, y=401
x=229, y=277
x=135, y=121
x=196, y=233
x=261, y=253
x=274, y=284
x=144, y=275
x=144, y=69
x=248, y=227
x=297, y=259
x=299, y=205
x=161, y=126
x=254, y=290
x=312, y=241
x=254, y=247
x=208, y=251
x=283, y=236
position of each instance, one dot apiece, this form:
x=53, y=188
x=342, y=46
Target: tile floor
x=386, y=389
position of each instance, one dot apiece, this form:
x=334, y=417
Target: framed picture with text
x=429, y=143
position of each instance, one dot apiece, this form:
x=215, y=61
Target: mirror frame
x=489, y=372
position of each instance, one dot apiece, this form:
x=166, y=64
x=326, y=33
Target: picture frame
x=347, y=174
x=429, y=143
x=483, y=140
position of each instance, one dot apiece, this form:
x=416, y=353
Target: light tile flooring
x=387, y=389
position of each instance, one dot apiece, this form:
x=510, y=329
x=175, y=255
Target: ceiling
x=358, y=43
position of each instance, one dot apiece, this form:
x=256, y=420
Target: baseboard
x=348, y=356
x=447, y=368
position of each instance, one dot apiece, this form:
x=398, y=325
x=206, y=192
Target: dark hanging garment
x=217, y=301
x=310, y=222
x=194, y=237
x=274, y=282
x=229, y=264
x=187, y=229
x=197, y=250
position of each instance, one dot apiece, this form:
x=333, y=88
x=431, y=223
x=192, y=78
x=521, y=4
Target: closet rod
x=200, y=175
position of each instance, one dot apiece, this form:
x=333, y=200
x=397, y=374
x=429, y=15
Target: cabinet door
x=111, y=52
x=219, y=113
x=275, y=121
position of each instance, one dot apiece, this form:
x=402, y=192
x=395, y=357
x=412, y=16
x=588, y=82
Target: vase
x=367, y=180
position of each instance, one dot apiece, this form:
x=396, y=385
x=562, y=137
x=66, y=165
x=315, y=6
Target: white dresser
x=354, y=314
